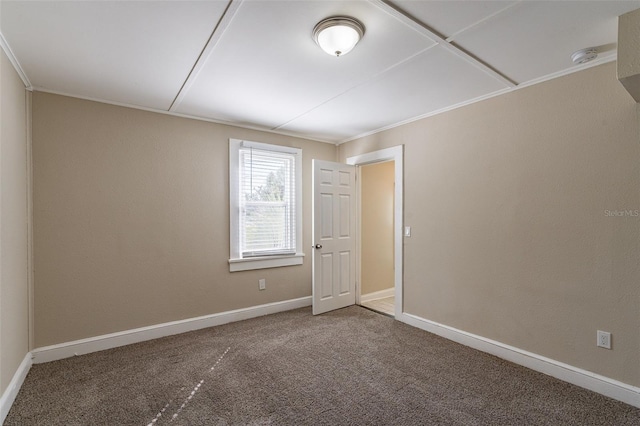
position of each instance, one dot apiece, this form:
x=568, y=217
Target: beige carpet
x=348, y=367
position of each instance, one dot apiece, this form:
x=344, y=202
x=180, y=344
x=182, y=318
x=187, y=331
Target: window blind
x=267, y=202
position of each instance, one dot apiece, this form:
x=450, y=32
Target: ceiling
x=254, y=63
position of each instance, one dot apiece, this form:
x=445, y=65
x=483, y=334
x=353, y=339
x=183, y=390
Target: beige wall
x=14, y=304
x=131, y=220
x=507, y=201
x=628, y=52
x=376, y=257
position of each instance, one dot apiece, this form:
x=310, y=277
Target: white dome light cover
x=338, y=35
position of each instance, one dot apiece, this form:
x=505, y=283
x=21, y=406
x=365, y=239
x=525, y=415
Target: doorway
x=393, y=157
x=376, y=192
x=336, y=265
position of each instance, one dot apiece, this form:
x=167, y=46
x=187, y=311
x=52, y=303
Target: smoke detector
x=583, y=56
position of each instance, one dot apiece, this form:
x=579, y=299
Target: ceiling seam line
x=214, y=38
x=364, y=82
x=453, y=36
x=478, y=64
x=457, y=51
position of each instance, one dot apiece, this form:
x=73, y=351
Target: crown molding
x=15, y=63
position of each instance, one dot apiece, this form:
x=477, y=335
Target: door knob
x=318, y=246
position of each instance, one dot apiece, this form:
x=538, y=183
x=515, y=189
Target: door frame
x=388, y=154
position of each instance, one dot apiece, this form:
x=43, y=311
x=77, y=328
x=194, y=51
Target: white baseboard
x=377, y=295
x=568, y=373
x=9, y=395
x=113, y=340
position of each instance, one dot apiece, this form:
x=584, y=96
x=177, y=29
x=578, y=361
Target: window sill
x=264, y=262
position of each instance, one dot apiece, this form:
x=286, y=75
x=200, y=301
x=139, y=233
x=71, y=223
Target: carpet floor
x=347, y=367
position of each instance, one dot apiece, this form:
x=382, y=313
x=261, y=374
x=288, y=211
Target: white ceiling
x=253, y=63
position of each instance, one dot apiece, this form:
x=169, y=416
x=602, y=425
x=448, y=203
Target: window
x=265, y=198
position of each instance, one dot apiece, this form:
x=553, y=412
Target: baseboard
x=113, y=340
x=9, y=395
x=568, y=373
x=377, y=295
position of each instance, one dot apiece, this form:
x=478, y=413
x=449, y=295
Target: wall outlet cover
x=604, y=339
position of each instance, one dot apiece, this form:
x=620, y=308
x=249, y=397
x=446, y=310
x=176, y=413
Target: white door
x=334, y=225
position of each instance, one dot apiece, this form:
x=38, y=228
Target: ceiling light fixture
x=583, y=56
x=338, y=35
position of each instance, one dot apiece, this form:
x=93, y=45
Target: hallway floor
x=384, y=306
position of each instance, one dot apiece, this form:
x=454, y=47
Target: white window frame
x=236, y=261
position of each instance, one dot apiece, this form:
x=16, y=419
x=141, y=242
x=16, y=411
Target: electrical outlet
x=262, y=283
x=604, y=339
